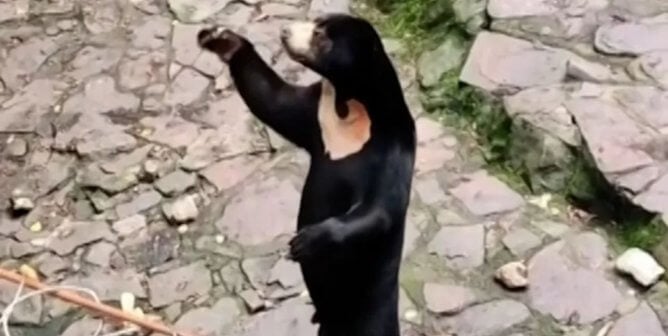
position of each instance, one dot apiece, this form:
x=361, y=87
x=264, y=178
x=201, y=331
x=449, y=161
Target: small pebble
x=36, y=227
x=252, y=300
x=52, y=31
x=513, y=275
x=640, y=265
x=182, y=210
x=66, y=24
x=182, y=229
x=151, y=168
x=22, y=204
x=220, y=239
x=17, y=148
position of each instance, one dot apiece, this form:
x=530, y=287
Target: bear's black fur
x=354, y=202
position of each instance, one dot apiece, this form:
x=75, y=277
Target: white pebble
x=640, y=265
x=513, y=275
x=183, y=228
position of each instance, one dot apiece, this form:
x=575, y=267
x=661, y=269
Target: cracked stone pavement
x=133, y=167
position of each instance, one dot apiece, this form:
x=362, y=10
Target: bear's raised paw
x=221, y=41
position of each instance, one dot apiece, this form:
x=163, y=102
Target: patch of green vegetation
x=419, y=23
x=514, y=154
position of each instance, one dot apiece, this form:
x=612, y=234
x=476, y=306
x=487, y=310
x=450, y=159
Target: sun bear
x=360, y=135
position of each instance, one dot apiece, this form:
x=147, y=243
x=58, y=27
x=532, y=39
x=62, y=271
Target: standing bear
x=360, y=135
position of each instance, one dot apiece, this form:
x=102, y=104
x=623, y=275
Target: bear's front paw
x=221, y=41
x=314, y=241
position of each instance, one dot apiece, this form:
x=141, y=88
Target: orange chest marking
x=342, y=137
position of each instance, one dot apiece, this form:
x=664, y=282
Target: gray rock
x=142, y=70
x=273, y=205
x=129, y=225
x=553, y=229
x=512, y=275
x=485, y=195
x=566, y=271
x=293, y=318
x=21, y=204
x=19, y=250
x=83, y=327
x=196, y=11
x=179, y=284
x=520, y=241
x=27, y=107
x=416, y=222
x=433, y=64
x=75, y=234
x=233, y=278
x=281, y=10
x=319, y=7
x=91, y=61
x=28, y=312
x=123, y=162
x=101, y=17
x=17, y=148
x=210, y=321
x=447, y=299
x=503, y=9
x=498, y=62
x=50, y=264
x=543, y=108
x=187, y=87
x=230, y=172
x=12, y=11
x=100, y=254
x=286, y=273
x=182, y=210
x=148, y=6
x=145, y=250
x=143, y=201
x=175, y=183
x=25, y=59
x=258, y=270
x=153, y=33
x=487, y=319
x=109, y=285
x=631, y=38
x=463, y=247
x=471, y=13
x=643, y=321
x=112, y=184
x=184, y=43
x=429, y=190
x=641, y=8
x=252, y=300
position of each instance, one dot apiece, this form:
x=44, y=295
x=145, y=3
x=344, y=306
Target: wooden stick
x=100, y=308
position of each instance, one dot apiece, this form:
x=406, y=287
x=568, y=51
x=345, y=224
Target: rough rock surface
x=111, y=114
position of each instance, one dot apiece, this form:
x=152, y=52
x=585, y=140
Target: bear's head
x=344, y=49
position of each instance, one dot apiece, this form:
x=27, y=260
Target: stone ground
x=132, y=167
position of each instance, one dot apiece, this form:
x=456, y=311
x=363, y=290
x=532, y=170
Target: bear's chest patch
x=342, y=137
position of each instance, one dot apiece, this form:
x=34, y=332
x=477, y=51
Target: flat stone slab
x=642, y=321
x=498, y=62
x=564, y=272
x=179, y=284
x=261, y=212
x=293, y=318
x=462, y=247
x=484, y=195
x=632, y=38
x=486, y=319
